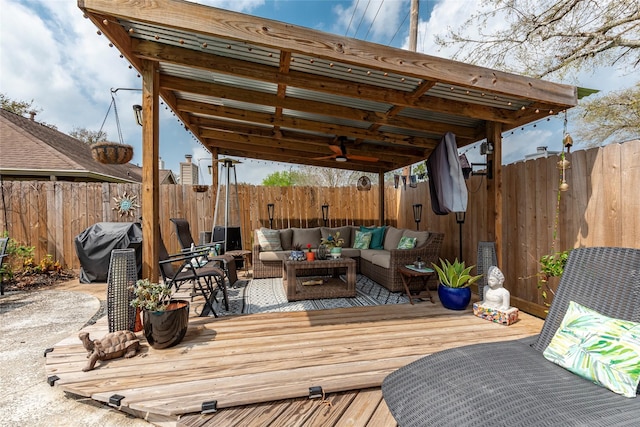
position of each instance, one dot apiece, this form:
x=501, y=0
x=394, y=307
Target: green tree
x=21, y=108
x=88, y=136
x=540, y=37
x=282, y=179
x=614, y=115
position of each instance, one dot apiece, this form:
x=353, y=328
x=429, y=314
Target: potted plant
x=310, y=255
x=165, y=320
x=296, y=253
x=551, y=265
x=455, y=279
x=334, y=243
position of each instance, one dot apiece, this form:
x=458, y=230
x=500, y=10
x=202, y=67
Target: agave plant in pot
x=165, y=320
x=453, y=291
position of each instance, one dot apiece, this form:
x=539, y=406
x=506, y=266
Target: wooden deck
x=259, y=367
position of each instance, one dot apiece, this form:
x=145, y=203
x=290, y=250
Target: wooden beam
x=494, y=188
x=200, y=19
x=419, y=99
x=150, y=171
x=331, y=110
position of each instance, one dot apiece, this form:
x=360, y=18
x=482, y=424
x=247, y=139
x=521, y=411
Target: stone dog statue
x=111, y=346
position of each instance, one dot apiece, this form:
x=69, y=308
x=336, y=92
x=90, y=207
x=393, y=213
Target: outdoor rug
x=268, y=295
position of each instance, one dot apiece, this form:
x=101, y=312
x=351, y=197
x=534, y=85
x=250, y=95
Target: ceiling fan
x=341, y=153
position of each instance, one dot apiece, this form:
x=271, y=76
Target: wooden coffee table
x=408, y=274
x=296, y=273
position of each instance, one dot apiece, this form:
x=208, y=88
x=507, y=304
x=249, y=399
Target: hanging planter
x=112, y=153
x=200, y=188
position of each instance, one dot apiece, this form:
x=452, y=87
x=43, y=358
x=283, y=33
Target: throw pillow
x=421, y=236
x=269, y=240
x=363, y=240
x=598, y=348
x=407, y=242
x=392, y=237
x=377, y=236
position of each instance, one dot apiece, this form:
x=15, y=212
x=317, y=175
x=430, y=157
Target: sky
x=51, y=55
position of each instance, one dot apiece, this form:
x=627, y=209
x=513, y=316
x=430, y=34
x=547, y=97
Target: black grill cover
x=94, y=246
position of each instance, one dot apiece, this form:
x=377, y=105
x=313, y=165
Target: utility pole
x=413, y=43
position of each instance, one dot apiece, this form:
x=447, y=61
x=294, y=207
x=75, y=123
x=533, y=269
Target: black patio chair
x=511, y=383
x=185, y=239
x=3, y=254
x=206, y=279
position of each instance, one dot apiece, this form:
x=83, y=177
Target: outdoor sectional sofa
x=513, y=384
x=380, y=265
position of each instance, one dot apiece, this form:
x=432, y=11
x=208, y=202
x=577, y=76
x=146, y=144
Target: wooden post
x=150, y=170
x=381, y=196
x=494, y=188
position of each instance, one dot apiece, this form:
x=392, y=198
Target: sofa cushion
x=407, y=242
x=304, y=236
x=286, y=236
x=377, y=236
x=273, y=256
x=363, y=240
x=392, y=237
x=382, y=258
x=367, y=254
x=421, y=236
x=345, y=233
x=269, y=240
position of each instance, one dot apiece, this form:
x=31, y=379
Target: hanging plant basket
x=200, y=188
x=112, y=153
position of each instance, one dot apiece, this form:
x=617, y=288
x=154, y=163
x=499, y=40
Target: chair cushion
x=421, y=236
x=381, y=258
x=407, y=242
x=392, y=237
x=377, y=236
x=304, y=236
x=363, y=240
x=269, y=240
x=598, y=348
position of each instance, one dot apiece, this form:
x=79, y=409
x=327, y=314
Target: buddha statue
x=496, y=296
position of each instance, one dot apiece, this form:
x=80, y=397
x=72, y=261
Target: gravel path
x=30, y=322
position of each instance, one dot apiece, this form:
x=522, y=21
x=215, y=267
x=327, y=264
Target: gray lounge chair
x=511, y=383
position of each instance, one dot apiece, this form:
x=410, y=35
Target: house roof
x=257, y=88
x=30, y=149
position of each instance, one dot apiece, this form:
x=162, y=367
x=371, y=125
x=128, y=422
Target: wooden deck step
x=275, y=357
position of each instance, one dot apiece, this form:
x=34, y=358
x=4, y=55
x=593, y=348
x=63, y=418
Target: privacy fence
x=601, y=208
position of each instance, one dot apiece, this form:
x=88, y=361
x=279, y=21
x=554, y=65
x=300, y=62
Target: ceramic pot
x=311, y=256
x=164, y=329
x=454, y=298
x=336, y=252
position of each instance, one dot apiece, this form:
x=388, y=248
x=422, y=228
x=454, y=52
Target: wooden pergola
x=251, y=87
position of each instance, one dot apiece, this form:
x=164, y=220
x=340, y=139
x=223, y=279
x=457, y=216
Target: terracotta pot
x=164, y=329
x=311, y=256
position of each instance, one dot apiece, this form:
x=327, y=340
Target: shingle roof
x=29, y=148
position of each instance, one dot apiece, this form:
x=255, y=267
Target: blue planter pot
x=454, y=298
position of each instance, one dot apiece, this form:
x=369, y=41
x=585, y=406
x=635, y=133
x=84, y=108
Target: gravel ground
x=30, y=322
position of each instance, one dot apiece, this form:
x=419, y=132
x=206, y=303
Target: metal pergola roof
x=255, y=88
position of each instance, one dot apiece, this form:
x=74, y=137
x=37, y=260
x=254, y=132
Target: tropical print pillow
x=407, y=242
x=599, y=348
x=363, y=240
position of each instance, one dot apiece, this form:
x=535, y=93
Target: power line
x=351, y=20
x=374, y=20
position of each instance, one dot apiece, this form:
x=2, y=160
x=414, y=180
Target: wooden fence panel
x=599, y=209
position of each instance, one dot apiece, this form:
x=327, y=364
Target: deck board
x=273, y=358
